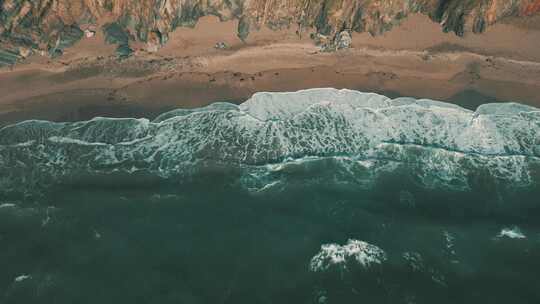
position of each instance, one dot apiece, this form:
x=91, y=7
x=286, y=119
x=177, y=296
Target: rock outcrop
x=53, y=25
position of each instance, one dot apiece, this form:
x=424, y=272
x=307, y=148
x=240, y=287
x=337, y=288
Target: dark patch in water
x=472, y=99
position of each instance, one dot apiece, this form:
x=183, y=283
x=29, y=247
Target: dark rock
x=53, y=25
x=243, y=28
x=8, y=57
x=115, y=34
x=124, y=51
x=66, y=38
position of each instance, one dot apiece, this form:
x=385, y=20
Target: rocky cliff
x=50, y=26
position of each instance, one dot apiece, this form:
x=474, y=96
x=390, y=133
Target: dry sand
x=414, y=59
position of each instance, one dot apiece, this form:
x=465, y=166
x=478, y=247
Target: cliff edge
x=50, y=26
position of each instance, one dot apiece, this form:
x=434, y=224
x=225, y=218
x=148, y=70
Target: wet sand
x=415, y=59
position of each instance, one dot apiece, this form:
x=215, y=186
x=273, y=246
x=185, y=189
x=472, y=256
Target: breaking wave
x=278, y=140
x=316, y=196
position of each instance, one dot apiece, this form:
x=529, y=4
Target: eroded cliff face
x=50, y=26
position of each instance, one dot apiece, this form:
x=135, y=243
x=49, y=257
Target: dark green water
x=214, y=243
x=319, y=196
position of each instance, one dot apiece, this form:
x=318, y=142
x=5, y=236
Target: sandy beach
x=414, y=59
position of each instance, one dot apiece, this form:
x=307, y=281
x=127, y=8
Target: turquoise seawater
x=318, y=196
x=212, y=242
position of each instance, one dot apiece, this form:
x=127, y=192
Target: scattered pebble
x=221, y=46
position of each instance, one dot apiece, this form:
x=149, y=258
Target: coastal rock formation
x=53, y=25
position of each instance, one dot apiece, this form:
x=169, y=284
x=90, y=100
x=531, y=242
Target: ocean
x=317, y=196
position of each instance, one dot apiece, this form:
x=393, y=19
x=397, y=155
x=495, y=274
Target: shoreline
x=85, y=112
x=188, y=72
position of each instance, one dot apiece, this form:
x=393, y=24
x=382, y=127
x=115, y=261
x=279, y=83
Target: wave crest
x=440, y=144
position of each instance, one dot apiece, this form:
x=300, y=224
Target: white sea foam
x=441, y=144
x=512, y=233
x=22, y=277
x=359, y=252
